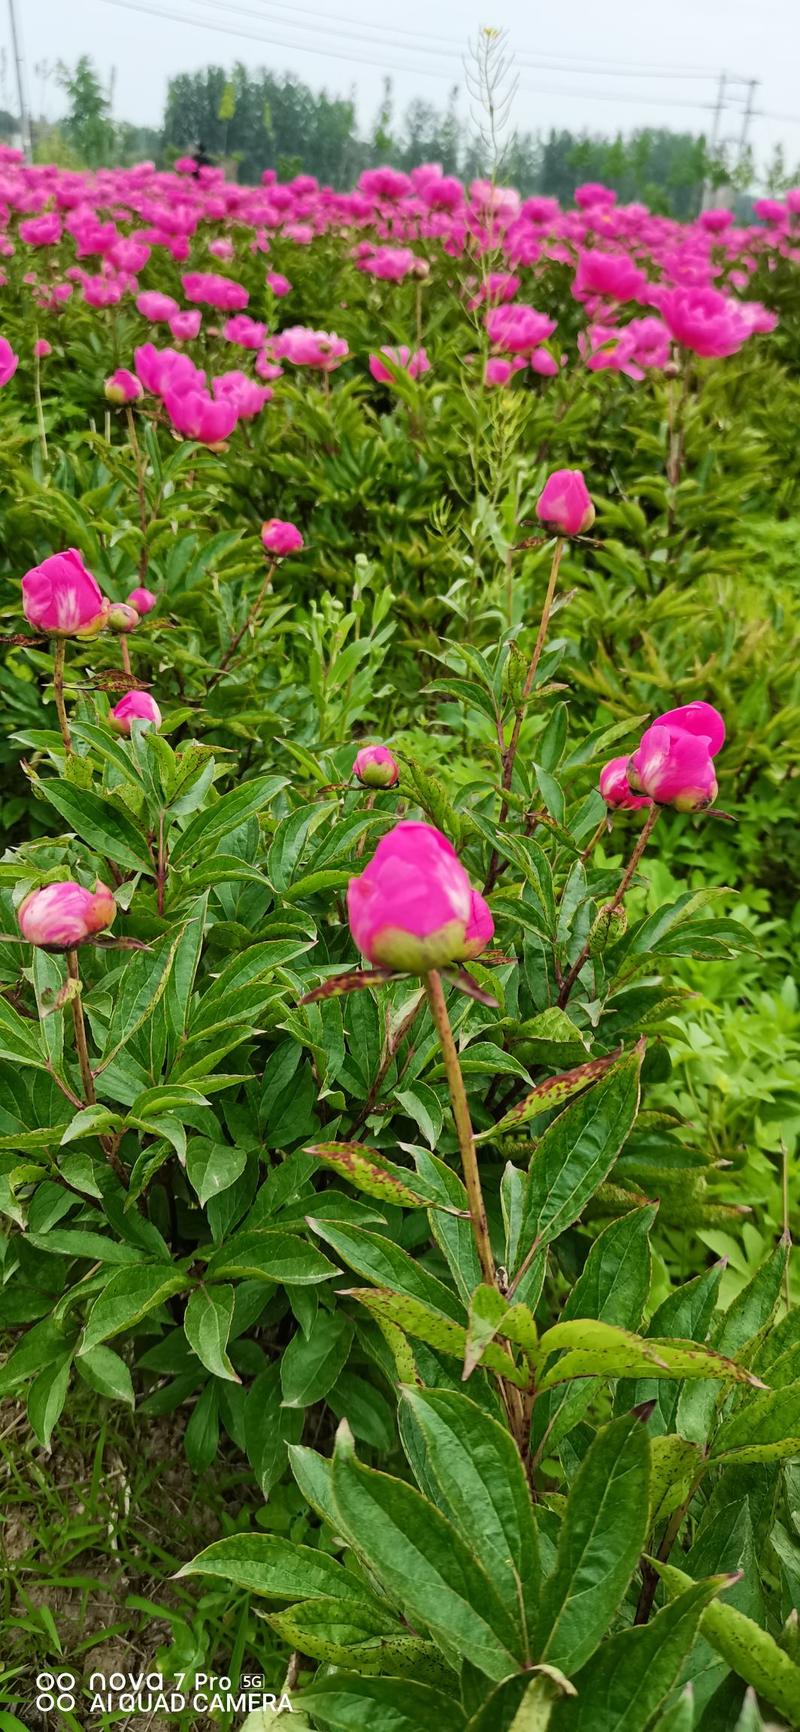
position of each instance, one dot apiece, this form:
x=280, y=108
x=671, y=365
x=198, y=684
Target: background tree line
x=253, y=120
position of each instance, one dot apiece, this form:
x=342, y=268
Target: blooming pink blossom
x=247, y=397
x=198, y=416
x=160, y=370
x=158, y=308
x=220, y=292
x=63, y=915
x=280, y=538
x=185, y=326
x=246, y=332
x=401, y=360
x=712, y=324
x=674, y=761
x=63, y=599
x=518, y=329
x=499, y=371
x=375, y=767
x=9, y=362
x=412, y=907
x=564, y=503
x=134, y=707
x=279, y=285
x=306, y=348
x=42, y=231
x=613, y=276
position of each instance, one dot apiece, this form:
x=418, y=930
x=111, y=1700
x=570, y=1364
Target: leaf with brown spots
x=369, y=1172
x=552, y=1093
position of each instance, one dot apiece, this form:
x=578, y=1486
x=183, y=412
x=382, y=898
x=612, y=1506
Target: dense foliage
x=475, y=1259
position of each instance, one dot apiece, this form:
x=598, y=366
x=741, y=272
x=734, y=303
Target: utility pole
x=24, y=119
x=747, y=115
x=715, y=135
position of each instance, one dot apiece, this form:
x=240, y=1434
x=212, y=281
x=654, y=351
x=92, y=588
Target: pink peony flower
x=412, y=907
x=62, y=598
x=61, y=916
x=184, y=326
x=134, y=707
x=306, y=348
x=616, y=789
x=9, y=362
x=280, y=537
x=711, y=324
x=375, y=767
x=158, y=308
x=42, y=348
x=402, y=360
x=674, y=761
x=279, y=285
x=167, y=369
x=123, y=387
x=564, y=503
x=248, y=397
x=245, y=332
x=142, y=599
x=498, y=371
x=614, y=276
x=220, y=292
x=42, y=231
x=518, y=329
x=198, y=416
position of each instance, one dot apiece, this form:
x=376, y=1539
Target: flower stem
x=37, y=393
x=140, y=492
x=125, y=654
x=59, y=659
x=82, y=1049
x=509, y=755
x=250, y=621
x=463, y=1123
x=610, y=907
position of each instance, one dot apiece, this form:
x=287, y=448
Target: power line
x=329, y=24
x=16, y=42
x=226, y=29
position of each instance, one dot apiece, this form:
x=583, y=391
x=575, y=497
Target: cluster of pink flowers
x=63, y=599
x=673, y=764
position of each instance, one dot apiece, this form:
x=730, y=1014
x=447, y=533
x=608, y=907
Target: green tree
x=87, y=126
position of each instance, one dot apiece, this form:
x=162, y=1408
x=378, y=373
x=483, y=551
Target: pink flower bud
x=123, y=387
x=375, y=767
x=480, y=927
x=134, y=707
x=412, y=906
x=280, y=537
x=121, y=618
x=565, y=504
x=41, y=348
x=60, y=916
x=9, y=362
x=615, y=787
x=142, y=599
x=674, y=761
x=62, y=598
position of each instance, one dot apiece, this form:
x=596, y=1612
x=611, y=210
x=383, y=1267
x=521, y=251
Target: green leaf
x=266, y=1254
x=451, y=1231
x=128, y=1297
x=269, y=1427
x=20, y=1038
x=276, y=1568
x=105, y=825
x=751, y=1652
x=140, y=990
x=311, y=1364
x=675, y=1463
x=629, y=1677
x=370, y=1172
x=418, y=1320
x=552, y=1093
x=473, y=1472
x=80, y=1242
x=491, y=1315
x=213, y=1167
x=209, y=827
x=357, y=1638
x=106, y=1374
x=577, y=1152
x=207, y=1325
x=748, y=1313
x=380, y=1705
x=602, y=1536
x=522, y=1704
x=599, y=1349
x=423, y=1564
x=378, y=1259
x=46, y=1397
x=765, y=1428
x=423, y=1106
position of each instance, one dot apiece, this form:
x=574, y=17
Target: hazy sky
x=579, y=65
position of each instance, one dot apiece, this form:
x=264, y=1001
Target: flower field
x=399, y=1028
